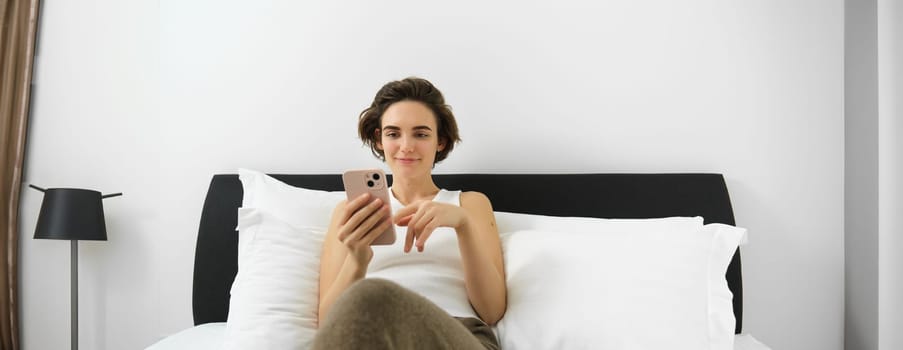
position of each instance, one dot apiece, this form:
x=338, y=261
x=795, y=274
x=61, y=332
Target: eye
x=423, y=135
x=391, y=134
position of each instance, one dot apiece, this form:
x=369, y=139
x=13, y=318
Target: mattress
x=209, y=336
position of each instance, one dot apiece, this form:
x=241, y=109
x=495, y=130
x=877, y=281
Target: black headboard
x=589, y=195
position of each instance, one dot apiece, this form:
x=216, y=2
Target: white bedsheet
x=210, y=337
x=747, y=342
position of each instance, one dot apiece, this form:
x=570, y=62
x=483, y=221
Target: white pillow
x=274, y=296
x=624, y=289
x=510, y=222
x=297, y=206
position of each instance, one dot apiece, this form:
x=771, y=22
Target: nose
x=407, y=145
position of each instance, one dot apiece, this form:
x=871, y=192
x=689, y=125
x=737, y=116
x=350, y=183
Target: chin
x=409, y=170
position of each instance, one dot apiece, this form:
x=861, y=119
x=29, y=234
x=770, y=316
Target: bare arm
x=478, y=242
x=346, y=247
x=481, y=255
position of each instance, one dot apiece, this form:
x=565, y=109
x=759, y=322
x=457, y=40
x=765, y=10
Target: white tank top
x=437, y=273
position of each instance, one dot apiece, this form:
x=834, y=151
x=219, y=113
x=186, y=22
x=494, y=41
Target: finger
x=358, y=233
x=353, y=205
x=413, y=228
x=366, y=228
x=404, y=221
x=362, y=214
x=377, y=231
x=359, y=201
x=367, y=213
x=343, y=234
x=408, y=241
x=417, y=217
x=426, y=217
x=345, y=212
x=406, y=211
x=425, y=234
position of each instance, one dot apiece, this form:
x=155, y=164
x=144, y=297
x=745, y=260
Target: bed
x=627, y=196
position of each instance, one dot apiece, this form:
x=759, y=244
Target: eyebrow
x=419, y=127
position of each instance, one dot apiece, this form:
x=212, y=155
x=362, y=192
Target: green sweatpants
x=379, y=314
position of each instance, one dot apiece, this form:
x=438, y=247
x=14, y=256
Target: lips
x=406, y=160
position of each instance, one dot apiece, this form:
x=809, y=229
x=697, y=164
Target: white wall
x=152, y=98
x=95, y=123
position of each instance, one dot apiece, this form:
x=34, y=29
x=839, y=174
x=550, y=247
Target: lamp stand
x=74, y=294
x=72, y=214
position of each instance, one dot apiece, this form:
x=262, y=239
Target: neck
x=409, y=190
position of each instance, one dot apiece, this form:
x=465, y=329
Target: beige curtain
x=18, y=28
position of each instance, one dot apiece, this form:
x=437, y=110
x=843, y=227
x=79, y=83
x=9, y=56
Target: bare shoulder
x=480, y=209
x=475, y=200
x=479, y=206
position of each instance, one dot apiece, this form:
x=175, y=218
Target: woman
x=443, y=295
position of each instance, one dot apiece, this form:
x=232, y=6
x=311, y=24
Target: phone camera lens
x=370, y=183
x=376, y=176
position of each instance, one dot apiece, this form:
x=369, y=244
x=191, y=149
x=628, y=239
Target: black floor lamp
x=72, y=214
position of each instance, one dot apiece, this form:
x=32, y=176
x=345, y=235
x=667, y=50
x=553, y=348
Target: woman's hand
x=423, y=217
x=361, y=222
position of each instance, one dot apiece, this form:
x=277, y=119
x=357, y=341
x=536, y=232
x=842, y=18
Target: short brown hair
x=409, y=89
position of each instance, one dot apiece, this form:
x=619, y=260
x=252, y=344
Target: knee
x=373, y=286
x=365, y=312
x=366, y=300
x=374, y=293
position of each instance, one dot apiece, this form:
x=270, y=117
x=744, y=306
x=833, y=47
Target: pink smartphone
x=358, y=182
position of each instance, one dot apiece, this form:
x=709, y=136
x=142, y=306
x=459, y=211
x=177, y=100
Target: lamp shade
x=71, y=213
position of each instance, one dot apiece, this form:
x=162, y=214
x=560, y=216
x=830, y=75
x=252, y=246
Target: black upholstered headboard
x=589, y=195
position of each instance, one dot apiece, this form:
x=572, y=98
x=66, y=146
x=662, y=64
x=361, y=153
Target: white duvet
x=210, y=337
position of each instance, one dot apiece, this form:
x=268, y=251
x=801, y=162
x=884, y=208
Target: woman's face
x=409, y=138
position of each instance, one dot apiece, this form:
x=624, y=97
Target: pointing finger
x=403, y=212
